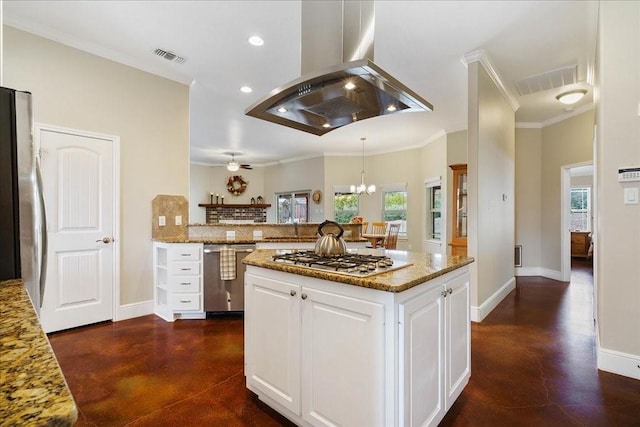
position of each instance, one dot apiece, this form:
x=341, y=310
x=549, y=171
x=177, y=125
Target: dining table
x=375, y=239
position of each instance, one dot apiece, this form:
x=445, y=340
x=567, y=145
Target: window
x=581, y=209
x=293, y=207
x=345, y=206
x=434, y=211
x=394, y=209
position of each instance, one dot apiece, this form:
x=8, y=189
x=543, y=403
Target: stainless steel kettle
x=330, y=244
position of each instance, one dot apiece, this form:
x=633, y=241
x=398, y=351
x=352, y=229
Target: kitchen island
x=326, y=348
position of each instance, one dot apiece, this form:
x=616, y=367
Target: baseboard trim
x=136, y=309
x=619, y=363
x=528, y=271
x=479, y=313
x=551, y=274
x=539, y=271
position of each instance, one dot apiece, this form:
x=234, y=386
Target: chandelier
x=362, y=187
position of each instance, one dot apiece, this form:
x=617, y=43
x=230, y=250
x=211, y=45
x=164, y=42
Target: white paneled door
x=80, y=192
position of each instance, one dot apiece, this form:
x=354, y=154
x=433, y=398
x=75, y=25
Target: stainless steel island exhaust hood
x=335, y=96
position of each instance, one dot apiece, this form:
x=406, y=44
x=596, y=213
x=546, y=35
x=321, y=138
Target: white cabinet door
x=458, y=338
x=421, y=357
x=342, y=360
x=272, y=334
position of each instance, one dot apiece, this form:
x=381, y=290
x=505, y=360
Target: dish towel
x=227, y=263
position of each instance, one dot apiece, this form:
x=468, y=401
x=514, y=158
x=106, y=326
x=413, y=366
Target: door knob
x=104, y=240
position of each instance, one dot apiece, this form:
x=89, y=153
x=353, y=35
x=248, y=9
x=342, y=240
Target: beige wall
x=150, y=114
x=491, y=164
x=565, y=143
x=529, y=195
x=204, y=180
x=301, y=175
x=618, y=144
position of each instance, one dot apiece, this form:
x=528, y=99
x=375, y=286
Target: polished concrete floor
x=533, y=364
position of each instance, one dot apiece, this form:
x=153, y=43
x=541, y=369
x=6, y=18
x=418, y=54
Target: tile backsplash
x=173, y=212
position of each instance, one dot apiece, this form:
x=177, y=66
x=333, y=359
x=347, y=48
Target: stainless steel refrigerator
x=23, y=234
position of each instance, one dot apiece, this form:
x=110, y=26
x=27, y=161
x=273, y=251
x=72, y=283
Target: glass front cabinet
x=459, y=212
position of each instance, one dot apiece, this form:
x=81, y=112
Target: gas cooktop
x=350, y=264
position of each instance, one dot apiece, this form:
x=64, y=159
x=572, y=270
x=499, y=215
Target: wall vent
x=169, y=56
x=517, y=259
x=548, y=80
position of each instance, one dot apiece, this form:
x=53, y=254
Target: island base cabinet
x=317, y=355
x=434, y=352
x=457, y=329
x=421, y=354
x=345, y=387
x=327, y=354
x=272, y=340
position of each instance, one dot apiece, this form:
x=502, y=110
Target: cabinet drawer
x=578, y=239
x=185, y=302
x=184, y=253
x=184, y=284
x=185, y=268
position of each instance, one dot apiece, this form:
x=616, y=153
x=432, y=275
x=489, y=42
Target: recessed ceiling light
x=572, y=96
x=349, y=86
x=246, y=89
x=326, y=125
x=282, y=110
x=391, y=108
x=256, y=41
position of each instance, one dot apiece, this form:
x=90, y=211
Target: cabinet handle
x=292, y=293
x=184, y=301
x=185, y=283
x=185, y=269
x=450, y=291
x=303, y=296
x=185, y=254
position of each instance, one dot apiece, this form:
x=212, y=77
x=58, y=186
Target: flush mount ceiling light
x=572, y=96
x=256, y=41
x=362, y=187
x=246, y=89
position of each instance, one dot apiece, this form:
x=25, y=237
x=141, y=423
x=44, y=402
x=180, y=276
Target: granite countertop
x=34, y=391
x=424, y=267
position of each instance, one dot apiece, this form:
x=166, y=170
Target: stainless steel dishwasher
x=224, y=295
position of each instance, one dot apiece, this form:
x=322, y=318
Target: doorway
x=578, y=224
x=80, y=185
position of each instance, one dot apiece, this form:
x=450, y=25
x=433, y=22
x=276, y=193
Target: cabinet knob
x=104, y=240
x=303, y=296
x=444, y=293
x=292, y=293
x=450, y=291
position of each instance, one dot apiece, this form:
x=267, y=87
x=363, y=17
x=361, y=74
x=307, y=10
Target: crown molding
x=576, y=112
x=481, y=57
x=554, y=120
x=528, y=125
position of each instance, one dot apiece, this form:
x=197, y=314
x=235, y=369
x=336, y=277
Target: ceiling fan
x=233, y=166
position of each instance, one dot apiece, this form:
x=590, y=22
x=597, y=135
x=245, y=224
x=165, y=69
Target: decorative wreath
x=236, y=185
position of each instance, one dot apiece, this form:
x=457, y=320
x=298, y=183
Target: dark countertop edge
x=34, y=390
x=372, y=282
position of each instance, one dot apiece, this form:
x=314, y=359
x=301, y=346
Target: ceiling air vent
x=548, y=80
x=169, y=56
